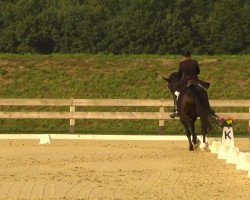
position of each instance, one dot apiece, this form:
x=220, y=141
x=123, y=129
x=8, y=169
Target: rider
x=188, y=70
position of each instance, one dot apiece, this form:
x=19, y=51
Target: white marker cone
x=203, y=146
x=215, y=147
x=242, y=162
x=210, y=141
x=232, y=156
x=248, y=164
x=45, y=139
x=222, y=152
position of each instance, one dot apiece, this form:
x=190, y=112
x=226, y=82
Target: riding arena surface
x=72, y=169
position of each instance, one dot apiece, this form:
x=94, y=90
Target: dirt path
x=117, y=170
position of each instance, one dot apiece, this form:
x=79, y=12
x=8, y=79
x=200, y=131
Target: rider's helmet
x=187, y=54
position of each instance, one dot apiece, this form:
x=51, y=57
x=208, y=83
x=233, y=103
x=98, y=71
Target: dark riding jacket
x=188, y=70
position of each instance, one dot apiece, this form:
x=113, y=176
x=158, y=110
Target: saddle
x=203, y=84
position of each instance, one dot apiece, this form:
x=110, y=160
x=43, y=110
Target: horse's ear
x=166, y=79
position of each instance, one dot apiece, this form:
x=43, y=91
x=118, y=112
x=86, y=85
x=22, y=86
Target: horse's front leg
x=188, y=133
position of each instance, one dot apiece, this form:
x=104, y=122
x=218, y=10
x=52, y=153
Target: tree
x=146, y=27
x=125, y=26
x=83, y=27
x=226, y=27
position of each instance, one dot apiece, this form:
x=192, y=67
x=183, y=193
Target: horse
x=191, y=104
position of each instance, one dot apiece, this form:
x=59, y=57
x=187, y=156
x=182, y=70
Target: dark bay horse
x=191, y=104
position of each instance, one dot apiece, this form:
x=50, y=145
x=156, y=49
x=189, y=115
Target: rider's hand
x=177, y=93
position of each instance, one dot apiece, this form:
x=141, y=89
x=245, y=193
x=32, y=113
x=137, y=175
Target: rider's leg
x=175, y=113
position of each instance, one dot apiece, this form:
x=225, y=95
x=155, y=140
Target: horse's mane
x=174, y=77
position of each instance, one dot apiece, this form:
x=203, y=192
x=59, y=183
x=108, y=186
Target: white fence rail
x=72, y=115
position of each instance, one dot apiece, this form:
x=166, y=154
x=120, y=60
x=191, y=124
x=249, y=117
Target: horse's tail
x=212, y=120
x=213, y=124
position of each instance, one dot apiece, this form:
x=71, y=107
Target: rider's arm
x=197, y=69
x=180, y=71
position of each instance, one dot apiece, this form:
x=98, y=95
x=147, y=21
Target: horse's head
x=173, y=80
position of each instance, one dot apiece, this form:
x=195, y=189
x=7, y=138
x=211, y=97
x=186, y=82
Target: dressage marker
x=45, y=139
x=226, y=150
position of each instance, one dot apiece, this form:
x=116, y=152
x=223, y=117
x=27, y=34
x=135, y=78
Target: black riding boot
x=175, y=113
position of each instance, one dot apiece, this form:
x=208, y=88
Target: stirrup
x=173, y=115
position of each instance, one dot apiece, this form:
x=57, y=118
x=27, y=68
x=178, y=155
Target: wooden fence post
x=249, y=124
x=161, y=121
x=72, y=121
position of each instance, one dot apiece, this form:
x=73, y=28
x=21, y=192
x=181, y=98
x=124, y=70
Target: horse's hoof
x=197, y=144
x=203, y=146
x=191, y=148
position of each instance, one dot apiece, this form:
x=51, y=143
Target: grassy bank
x=109, y=76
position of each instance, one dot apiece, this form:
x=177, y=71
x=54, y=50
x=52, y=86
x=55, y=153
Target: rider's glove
x=177, y=93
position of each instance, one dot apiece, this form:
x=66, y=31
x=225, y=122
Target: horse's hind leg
x=204, y=127
x=191, y=147
x=194, y=136
x=204, y=123
x=195, y=141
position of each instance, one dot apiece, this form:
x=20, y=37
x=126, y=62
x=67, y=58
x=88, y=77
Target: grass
x=109, y=76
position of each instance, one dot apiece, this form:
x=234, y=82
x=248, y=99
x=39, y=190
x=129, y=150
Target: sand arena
x=117, y=170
